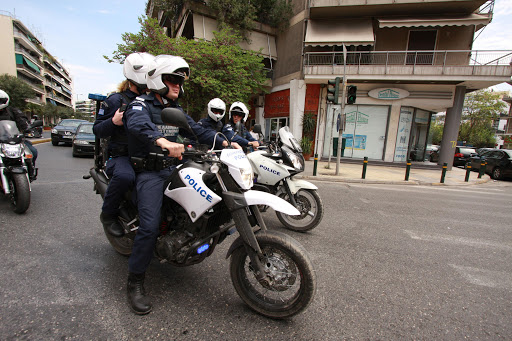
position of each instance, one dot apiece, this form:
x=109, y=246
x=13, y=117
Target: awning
x=204, y=27
x=349, y=32
x=22, y=60
x=478, y=20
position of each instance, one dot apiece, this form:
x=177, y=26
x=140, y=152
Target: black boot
x=112, y=225
x=137, y=298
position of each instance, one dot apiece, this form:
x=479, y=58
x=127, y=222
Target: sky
x=79, y=33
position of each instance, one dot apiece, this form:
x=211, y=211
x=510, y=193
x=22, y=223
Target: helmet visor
x=217, y=111
x=3, y=100
x=173, y=79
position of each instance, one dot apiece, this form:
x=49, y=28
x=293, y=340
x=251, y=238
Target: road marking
x=487, y=278
x=458, y=240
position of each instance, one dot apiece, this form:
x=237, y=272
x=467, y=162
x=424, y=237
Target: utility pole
x=342, y=120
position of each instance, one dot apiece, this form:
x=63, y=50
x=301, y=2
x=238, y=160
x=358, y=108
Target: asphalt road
x=392, y=262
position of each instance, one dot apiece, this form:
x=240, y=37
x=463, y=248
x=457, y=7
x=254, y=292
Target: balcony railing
x=391, y=62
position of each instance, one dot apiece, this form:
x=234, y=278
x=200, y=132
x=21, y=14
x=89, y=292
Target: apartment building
x=409, y=60
x=24, y=56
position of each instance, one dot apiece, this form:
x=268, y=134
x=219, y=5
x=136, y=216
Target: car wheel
x=497, y=174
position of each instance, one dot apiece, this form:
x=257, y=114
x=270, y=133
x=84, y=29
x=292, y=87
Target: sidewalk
x=381, y=174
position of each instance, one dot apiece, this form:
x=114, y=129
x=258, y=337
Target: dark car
x=461, y=156
x=498, y=163
x=65, y=130
x=83, y=141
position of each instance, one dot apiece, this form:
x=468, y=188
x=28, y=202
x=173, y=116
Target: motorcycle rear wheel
x=20, y=193
x=123, y=245
x=292, y=281
x=311, y=211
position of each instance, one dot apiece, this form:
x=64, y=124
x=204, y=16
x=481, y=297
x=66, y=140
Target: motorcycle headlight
x=247, y=177
x=12, y=150
x=297, y=160
x=54, y=131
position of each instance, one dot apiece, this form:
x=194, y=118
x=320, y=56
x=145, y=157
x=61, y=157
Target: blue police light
x=203, y=248
x=97, y=97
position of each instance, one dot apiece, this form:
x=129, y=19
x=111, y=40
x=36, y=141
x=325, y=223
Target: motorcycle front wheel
x=291, y=281
x=311, y=211
x=20, y=193
x=123, y=245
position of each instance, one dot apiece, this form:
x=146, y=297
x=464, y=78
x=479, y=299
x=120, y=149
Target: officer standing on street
x=147, y=133
x=109, y=124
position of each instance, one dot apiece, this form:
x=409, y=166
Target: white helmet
x=166, y=65
x=240, y=108
x=4, y=99
x=216, y=109
x=135, y=68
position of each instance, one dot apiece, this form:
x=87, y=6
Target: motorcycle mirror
x=257, y=128
x=175, y=117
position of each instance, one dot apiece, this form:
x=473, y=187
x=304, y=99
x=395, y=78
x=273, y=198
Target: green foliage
x=18, y=91
x=238, y=14
x=218, y=69
x=481, y=108
x=436, y=131
x=306, y=144
x=308, y=125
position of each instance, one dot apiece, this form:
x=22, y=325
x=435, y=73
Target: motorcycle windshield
x=288, y=139
x=9, y=132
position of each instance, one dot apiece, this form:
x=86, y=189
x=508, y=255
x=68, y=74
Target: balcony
x=453, y=66
x=23, y=40
x=368, y=8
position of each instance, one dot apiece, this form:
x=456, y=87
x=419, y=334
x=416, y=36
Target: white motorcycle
x=275, y=169
x=208, y=198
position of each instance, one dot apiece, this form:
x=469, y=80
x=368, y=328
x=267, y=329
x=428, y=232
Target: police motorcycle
x=275, y=166
x=16, y=169
x=206, y=199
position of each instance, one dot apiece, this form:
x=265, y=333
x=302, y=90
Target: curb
x=40, y=141
x=391, y=182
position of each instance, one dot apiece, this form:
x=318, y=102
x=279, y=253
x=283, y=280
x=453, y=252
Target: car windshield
x=70, y=123
x=85, y=128
x=509, y=153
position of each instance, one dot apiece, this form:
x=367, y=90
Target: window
x=421, y=41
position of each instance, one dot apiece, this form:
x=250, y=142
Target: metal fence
x=423, y=58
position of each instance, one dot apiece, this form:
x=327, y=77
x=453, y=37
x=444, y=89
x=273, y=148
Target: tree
x=219, y=68
x=436, y=131
x=481, y=108
x=18, y=91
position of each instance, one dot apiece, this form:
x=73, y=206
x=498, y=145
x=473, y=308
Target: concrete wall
x=289, y=51
x=7, y=57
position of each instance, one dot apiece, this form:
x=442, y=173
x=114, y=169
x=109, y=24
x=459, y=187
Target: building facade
x=409, y=59
x=23, y=56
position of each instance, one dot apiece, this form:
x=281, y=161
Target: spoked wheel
x=20, y=192
x=122, y=245
x=311, y=211
x=290, y=284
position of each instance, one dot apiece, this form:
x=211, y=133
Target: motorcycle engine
x=174, y=245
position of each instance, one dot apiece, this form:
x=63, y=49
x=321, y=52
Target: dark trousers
x=33, y=150
x=122, y=178
x=150, y=192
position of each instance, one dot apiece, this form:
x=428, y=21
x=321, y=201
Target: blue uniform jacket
x=242, y=138
x=144, y=126
x=209, y=123
x=104, y=127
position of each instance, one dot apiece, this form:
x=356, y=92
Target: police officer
x=238, y=113
x=216, y=111
x=109, y=124
x=147, y=133
x=15, y=114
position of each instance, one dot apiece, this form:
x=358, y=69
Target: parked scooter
x=206, y=199
x=16, y=165
x=275, y=167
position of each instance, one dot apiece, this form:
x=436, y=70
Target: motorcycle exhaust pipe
x=100, y=181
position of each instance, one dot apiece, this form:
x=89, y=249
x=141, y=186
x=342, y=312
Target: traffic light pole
x=342, y=124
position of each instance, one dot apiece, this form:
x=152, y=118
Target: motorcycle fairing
x=253, y=197
x=196, y=198
x=269, y=172
x=236, y=160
